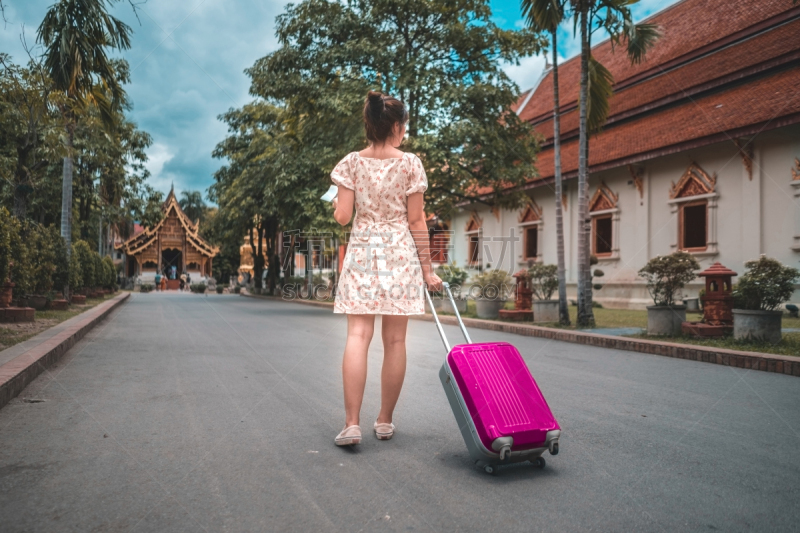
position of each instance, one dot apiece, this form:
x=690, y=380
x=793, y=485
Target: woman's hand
x=433, y=282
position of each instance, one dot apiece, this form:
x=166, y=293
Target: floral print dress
x=381, y=274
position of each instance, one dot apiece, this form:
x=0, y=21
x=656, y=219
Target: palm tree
x=547, y=15
x=76, y=34
x=615, y=17
x=193, y=205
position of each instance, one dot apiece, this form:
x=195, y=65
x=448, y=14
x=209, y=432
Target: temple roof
x=142, y=240
x=718, y=72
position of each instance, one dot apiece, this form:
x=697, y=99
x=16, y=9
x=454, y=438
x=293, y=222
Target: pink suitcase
x=500, y=410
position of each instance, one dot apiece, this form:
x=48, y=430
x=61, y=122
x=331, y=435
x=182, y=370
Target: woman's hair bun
x=381, y=113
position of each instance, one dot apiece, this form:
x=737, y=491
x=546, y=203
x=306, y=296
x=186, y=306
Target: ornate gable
x=531, y=213
x=603, y=199
x=475, y=223
x=694, y=182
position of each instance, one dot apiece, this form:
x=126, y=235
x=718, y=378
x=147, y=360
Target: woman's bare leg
x=393, y=331
x=354, y=364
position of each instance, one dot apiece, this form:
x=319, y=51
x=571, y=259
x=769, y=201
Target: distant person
x=387, y=265
x=158, y=280
x=183, y=281
x=163, y=283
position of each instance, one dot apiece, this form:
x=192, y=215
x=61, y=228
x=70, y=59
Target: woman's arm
x=419, y=231
x=343, y=205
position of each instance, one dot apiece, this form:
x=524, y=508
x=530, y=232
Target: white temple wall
x=753, y=216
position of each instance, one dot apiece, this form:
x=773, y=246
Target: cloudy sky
x=187, y=60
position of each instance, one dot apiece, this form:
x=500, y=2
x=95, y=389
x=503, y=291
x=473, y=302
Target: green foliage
x=765, y=286
x=220, y=289
x=146, y=287
x=46, y=259
x=452, y=274
x=493, y=284
x=199, y=288
x=110, y=274
x=9, y=235
x=667, y=274
x=193, y=205
x=543, y=280
x=443, y=59
x=88, y=268
x=237, y=289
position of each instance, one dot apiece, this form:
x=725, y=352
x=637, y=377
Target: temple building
x=172, y=246
x=701, y=152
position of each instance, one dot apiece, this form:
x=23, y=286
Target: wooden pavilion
x=173, y=242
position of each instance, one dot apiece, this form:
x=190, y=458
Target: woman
x=387, y=264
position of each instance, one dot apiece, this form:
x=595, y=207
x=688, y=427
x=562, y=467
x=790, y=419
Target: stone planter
x=757, y=325
x=665, y=319
x=489, y=308
x=37, y=302
x=461, y=305
x=545, y=311
x=79, y=299
x=6, y=294
x=692, y=304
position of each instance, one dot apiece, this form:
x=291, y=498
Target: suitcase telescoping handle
x=458, y=316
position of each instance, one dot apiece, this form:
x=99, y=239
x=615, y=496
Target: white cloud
x=158, y=155
x=527, y=73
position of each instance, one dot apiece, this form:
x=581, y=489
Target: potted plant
x=757, y=299
x=490, y=290
x=666, y=275
x=543, y=282
x=455, y=277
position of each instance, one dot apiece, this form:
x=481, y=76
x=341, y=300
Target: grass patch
x=11, y=334
x=789, y=345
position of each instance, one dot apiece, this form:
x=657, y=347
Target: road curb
x=779, y=364
x=17, y=373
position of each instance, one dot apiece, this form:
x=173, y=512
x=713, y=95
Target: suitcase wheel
x=490, y=469
x=539, y=461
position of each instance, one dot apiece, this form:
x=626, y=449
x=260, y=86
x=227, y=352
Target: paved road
x=217, y=413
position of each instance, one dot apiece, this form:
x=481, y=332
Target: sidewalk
x=21, y=363
x=779, y=364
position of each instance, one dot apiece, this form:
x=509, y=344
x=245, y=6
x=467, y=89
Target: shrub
x=146, y=287
x=13, y=255
x=237, y=289
x=99, y=269
x=667, y=274
x=110, y=278
x=199, y=288
x=765, y=286
x=543, y=280
x=220, y=289
x=83, y=253
x=491, y=284
x=452, y=275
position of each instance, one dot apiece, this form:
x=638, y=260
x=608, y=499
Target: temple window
x=605, y=223
x=530, y=223
x=602, y=235
x=693, y=202
x=694, y=227
x=473, y=233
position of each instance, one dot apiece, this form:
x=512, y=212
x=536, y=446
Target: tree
x=546, y=16
x=443, y=59
x=28, y=129
x=596, y=84
x=76, y=35
x=193, y=205
x=258, y=190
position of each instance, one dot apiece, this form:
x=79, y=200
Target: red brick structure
x=523, y=302
x=717, y=304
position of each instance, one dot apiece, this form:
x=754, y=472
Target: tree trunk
x=66, y=200
x=585, y=316
x=563, y=305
